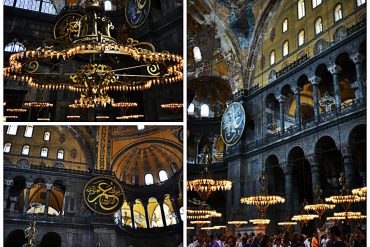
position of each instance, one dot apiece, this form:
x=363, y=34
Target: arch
x=320, y=46
x=318, y=25
x=108, y=5
x=191, y=109
x=47, y=135
x=272, y=57
x=338, y=12
x=126, y=217
x=51, y=239
x=44, y=152
x=25, y=150
x=154, y=211
x=272, y=109
x=15, y=238
x=60, y=154
x=340, y=34
x=357, y=145
x=285, y=48
x=285, y=25
x=28, y=131
x=169, y=211
x=204, y=110
x=301, y=37
x=139, y=214
x=347, y=76
x=301, y=9
x=7, y=147
x=12, y=130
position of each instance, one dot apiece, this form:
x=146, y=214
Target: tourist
x=297, y=240
x=335, y=238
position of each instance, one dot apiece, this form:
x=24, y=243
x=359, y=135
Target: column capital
x=13, y=199
x=357, y=58
x=8, y=182
x=346, y=151
x=297, y=90
x=315, y=80
x=49, y=186
x=281, y=98
x=313, y=159
x=287, y=168
x=29, y=184
x=334, y=69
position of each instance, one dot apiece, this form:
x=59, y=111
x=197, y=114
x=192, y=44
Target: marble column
x=145, y=205
x=357, y=58
x=8, y=184
x=349, y=170
x=13, y=203
x=315, y=170
x=176, y=209
x=47, y=199
x=335, y=69
x=162, y=212
x=298, y=114
x=315, y=80
x=28, y=189
x=288, y=172
x=131, y=204
x=197, y=141
x=281, y=99
x=211, y=139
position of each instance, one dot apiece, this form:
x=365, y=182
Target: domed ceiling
x=136, y=153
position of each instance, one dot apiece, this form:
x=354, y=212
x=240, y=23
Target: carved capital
x=315, y=80
x=287, y=169
x=49, y=186
x=314, y=160
x=297, y=90
x=346, y=151
x=334, y=69
x=357, y=58
x=281, y=98
x=29, y=185
x=8, y=182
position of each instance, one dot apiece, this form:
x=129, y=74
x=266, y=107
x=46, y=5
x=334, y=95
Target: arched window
x=108, y=5
x=60, y=154
x=48, y=7
x=173, y=168
x=285, y=25
x=12, y=130
x=191, y=109
x=149, y=179
x=28, y=131
x=338, y=14
x=14, y=46
x=316, y=3
x=285, y=48
x=318, y=25
x=272, y=57
x=44, y=152
x=163, y=175
x=301, y=9
x=46, y=136
x=204, y=110
x=7, y=147
x=301, y=38
x=26, y=150
x=197, y=54
x=360, y=2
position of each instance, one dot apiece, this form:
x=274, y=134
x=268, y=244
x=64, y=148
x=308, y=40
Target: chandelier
x=260, y=221
x=304, y=218
x=200, y=223
x=206, y=185
x=345, y=198
x=237, y=223
x=287, y=224
x=360, y=191
x=263, y=200
x=84, y=43
x=320, y=207
x=347, y=216
x=172, y=106
x=201, y=212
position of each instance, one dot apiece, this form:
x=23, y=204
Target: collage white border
x=184, y=123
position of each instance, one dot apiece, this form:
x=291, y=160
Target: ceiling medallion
x=79, y=56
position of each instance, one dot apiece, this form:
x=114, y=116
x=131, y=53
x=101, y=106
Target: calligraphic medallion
x=233, y=124
x=136, y=12
x=69, y=27
x=103, y=195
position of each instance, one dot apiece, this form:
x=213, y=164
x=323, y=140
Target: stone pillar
x=162, y=212
x=176, y=209
x=197, y=141
x=288, y=172
x=335, y=69
x=349, y=170
x=281, y=99
x=357, y=58
x=13, y=203
x=211, y=140
x=28, y=189
x=145, y=205
x=7, y=186
x=131, y=204
x=315, y=170
x=315, y=88
x=298, y=114
x=47, y=199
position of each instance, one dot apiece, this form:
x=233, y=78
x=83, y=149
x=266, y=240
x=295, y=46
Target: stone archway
x=15, y=238
x=51, y=239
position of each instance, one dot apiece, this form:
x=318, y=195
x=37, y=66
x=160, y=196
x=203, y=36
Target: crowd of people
x=333, y=238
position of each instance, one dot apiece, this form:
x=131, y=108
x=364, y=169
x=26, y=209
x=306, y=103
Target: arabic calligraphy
x=103, y=195
x=137, y=11
x=233, y=123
